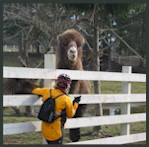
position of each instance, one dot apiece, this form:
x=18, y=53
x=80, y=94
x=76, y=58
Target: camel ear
x=59, y=38
x=83, y=42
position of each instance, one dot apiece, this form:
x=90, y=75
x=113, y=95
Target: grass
x=11, y=59
x=110, y=130
x=110, y=87
x=116, y=87
x=30, y=138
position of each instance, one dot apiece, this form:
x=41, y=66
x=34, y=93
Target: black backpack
x=47, y=110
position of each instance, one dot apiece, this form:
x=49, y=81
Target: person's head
x=63, y=83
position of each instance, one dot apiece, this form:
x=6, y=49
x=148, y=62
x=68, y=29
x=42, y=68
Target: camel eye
x=64, y=44
x=78, y=45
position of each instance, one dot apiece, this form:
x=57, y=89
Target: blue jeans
x=59, y=141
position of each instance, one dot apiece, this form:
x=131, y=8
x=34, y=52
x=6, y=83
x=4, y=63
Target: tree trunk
x=23, y=46
x=37, y=47
x=20, y=43
x=97, y=89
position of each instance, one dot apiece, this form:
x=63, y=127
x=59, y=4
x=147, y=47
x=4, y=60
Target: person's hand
x=77, y=99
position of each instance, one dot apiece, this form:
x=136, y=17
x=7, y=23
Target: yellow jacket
x=53, y=131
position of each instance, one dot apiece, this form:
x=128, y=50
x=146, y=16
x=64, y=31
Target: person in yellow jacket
x=53, y=132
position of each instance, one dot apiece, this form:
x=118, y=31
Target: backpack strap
x=56, y=96
x=60, y=115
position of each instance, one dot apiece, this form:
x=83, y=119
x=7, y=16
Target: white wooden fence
x=125, y=99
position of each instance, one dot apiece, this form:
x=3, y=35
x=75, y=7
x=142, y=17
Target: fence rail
x=124, y=139
x=25, y=127
x=125, y=99
x=38, y=73
x=33, y=100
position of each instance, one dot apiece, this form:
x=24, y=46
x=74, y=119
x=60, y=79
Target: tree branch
x=129, y=47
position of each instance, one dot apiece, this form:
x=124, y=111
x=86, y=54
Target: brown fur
x=69, y=38
x=18, y=86
x=65, y=39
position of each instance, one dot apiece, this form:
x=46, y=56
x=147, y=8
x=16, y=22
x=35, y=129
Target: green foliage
x=80, y=7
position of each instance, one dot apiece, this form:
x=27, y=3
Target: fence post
x=49, y=62
x=126, y=107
